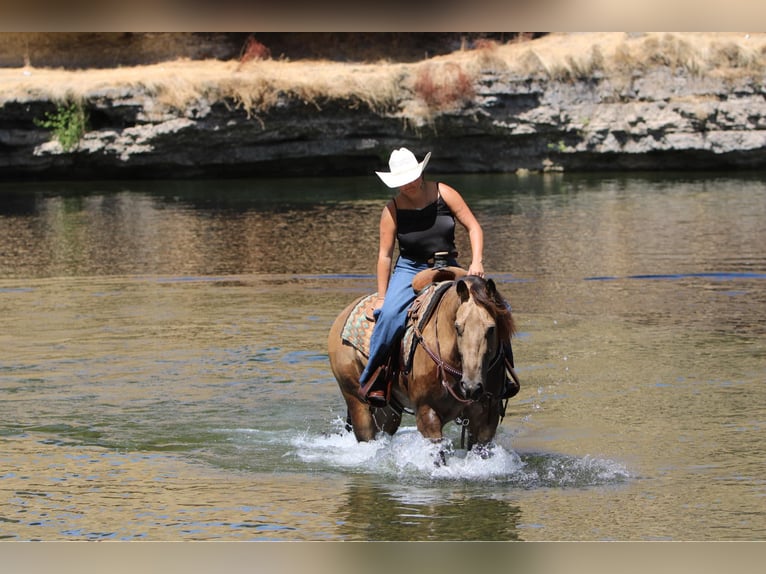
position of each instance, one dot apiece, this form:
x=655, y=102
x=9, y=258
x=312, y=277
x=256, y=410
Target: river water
x=164, y=373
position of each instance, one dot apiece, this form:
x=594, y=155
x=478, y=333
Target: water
x=163, y=367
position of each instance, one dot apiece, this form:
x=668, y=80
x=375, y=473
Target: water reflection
x=539, y=226
x=179, y=228
x=426, y=513
x=128, y=233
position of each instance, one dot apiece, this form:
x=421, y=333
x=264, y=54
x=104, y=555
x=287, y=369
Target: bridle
x=442, y=366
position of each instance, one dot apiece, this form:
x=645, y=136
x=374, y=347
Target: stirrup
x=377, y=399
x=372, y=393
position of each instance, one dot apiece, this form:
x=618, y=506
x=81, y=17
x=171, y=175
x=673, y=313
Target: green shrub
x=68, y=123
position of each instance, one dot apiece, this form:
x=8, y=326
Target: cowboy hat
x=404, y=168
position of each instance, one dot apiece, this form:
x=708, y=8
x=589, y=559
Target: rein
x=444, y=367
x=441, y=365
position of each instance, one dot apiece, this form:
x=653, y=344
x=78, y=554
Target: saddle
x=429, y=285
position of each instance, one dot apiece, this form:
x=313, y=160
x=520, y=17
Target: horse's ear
x=491, y=288
x=462, y=291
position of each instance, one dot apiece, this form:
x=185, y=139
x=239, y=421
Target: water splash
x=408, y=456
x=405, y=455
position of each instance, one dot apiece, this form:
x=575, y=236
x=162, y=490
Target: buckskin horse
x=450, y=367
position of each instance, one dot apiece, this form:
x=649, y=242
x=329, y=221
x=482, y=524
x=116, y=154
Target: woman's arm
x=385, y=251
x=466, y=218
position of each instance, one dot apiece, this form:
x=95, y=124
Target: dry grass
x=424, y=88
x=580, y=56
x=255, y=85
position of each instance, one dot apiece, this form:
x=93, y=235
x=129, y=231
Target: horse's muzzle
x=471, y=391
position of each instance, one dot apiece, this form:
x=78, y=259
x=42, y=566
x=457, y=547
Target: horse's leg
x=482, y=427
x=360, y=418
x=428, y=422
x=430, y=426
x=366, y=422
x=346, y=365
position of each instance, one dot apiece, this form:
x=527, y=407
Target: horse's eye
x=459, y=329
x=491, y=331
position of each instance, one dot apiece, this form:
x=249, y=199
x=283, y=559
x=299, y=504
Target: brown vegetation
x=253, y=50
x=424, y=88
x=444, y=87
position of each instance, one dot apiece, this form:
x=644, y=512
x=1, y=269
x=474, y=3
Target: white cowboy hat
x=404, y=168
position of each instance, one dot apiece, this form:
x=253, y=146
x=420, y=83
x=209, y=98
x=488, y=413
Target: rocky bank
x=658, y=120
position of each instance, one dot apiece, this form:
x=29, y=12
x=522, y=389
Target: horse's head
x=483, y=320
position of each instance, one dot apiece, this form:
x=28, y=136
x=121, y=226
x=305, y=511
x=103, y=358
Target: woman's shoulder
x=446, y=188
x=448, y=194
x=389, y=210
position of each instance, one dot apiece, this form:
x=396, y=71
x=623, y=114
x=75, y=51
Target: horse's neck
x=443, y=323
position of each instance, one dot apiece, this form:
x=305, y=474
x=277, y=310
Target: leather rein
x=441, y=365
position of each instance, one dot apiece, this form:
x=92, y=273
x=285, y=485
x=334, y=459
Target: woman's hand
x=476, y=268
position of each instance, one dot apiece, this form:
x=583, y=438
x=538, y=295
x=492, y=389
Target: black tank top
x=423, y=232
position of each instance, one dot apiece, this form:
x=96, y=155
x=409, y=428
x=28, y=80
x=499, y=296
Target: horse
x=457, y=370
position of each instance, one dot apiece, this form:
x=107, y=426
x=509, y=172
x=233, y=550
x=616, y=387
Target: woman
x=421, y=217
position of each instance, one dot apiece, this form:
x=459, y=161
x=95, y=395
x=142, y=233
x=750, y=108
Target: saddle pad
x=358, y=328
